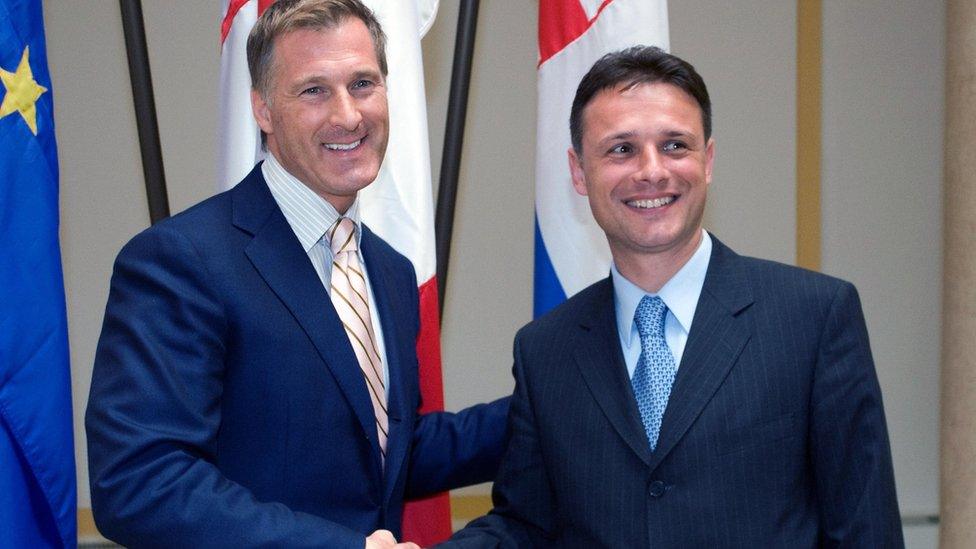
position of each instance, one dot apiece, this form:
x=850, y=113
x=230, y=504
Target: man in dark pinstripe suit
x=771, y=431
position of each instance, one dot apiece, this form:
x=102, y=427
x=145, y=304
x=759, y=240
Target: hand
x=383, y=539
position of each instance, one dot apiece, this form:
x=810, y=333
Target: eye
x=362, y=84
x=313, y=90
x=673, y=146
x=621, y=148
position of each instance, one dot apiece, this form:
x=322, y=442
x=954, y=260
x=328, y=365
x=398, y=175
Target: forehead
x=349, y=42
x=655, y=104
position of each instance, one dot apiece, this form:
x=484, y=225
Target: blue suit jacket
x=774, y=434
x=227, y=408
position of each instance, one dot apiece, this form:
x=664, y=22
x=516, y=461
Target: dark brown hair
x=633, y=66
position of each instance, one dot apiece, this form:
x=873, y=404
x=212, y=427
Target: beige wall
x=882, y=168
x=746, y=52
x=489, y=293
x=882, y=213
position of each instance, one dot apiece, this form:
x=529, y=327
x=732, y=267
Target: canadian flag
x=398, y=206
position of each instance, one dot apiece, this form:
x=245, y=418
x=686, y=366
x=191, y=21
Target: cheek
x=374, y=109
x=288, y=126
x=611, y=182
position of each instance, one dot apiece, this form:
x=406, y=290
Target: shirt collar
x=680, y=293
x=308, y=214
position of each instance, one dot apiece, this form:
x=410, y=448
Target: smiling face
x=325, y=113
x=645, y=167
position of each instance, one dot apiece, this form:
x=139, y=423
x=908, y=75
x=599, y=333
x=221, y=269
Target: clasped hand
x=383, y=539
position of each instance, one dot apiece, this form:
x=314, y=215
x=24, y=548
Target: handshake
x=383, y=539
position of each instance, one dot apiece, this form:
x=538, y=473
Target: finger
x=383, y=535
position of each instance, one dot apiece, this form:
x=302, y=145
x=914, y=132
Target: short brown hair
x=284, y=16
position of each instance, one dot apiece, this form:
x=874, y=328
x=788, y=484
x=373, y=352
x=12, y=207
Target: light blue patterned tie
x=655, y=368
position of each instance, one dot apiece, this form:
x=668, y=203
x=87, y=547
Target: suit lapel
x=606, y=376
x=717, y=336
x=379, y=269
x=280, y=260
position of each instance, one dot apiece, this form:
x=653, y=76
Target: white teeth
x=656, y=203
x=343, y=146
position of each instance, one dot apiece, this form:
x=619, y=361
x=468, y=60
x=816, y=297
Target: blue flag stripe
x=548, y=291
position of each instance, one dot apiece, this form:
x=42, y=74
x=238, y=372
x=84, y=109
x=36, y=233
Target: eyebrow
x=367, y=73
x=617, y=137
x=631, y=134
x=319, y=78
x=678, y=133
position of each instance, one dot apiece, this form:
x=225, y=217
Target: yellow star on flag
x=22, y=92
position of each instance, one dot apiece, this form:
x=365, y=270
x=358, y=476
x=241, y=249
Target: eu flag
x=37, y=470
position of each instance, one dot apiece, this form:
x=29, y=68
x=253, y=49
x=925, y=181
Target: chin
x=360, y=183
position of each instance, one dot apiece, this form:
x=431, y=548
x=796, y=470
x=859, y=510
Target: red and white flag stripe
x=398, y=206
x=573, y=34
x=239, y=141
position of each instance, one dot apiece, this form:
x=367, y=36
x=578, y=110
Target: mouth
x=344, y=147
x=651, y=203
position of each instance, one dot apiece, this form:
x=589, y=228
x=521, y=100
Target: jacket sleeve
x=451, y=450
x=849, y=439
x=154, y=413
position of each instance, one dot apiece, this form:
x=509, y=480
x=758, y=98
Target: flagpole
x=145, y=107
x=457, y=107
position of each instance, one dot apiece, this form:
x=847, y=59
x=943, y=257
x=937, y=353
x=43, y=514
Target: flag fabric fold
x=398, y=206
x=571, y=251
x=38, y=505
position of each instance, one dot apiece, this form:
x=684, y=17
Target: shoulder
x=791, y=283
x=193, y=224
x=210, y=224
x=585, y=307
x=775, y=285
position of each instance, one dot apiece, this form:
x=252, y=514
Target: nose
x=652, y=166
x=345, y=113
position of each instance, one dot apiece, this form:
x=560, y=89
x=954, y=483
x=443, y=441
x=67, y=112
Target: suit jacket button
x=656, y=489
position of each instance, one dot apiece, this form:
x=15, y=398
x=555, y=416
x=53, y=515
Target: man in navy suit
x=229, y=406
x=695, y=397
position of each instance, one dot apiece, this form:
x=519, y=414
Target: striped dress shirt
x=310, y=216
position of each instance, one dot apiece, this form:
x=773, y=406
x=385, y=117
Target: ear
x=262, y=114
x=576, y=171
x=709, y=159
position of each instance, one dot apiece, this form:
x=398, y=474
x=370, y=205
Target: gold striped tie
x=350, y=298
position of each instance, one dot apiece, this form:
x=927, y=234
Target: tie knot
x=649, y=316
x=342, y=236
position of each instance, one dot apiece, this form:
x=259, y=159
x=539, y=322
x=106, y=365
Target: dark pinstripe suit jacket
x=774, y=434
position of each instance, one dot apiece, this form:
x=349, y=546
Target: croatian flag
x=398, y=206
x=571, y=251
